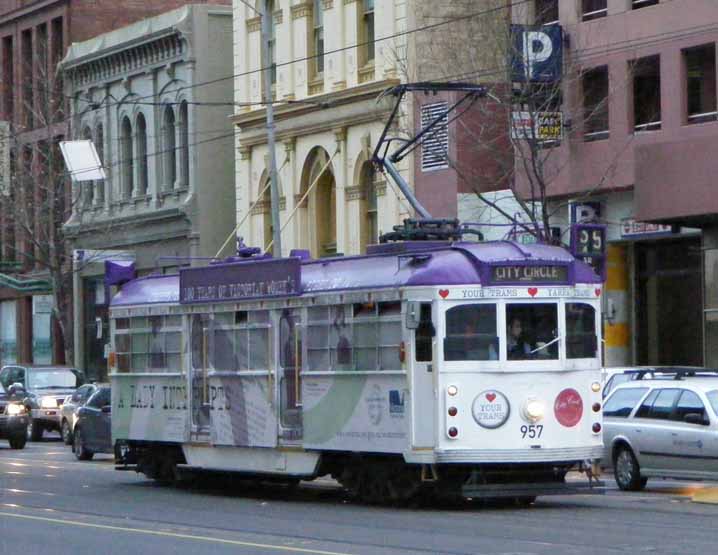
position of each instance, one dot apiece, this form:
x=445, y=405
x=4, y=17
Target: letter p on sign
x=537, y=49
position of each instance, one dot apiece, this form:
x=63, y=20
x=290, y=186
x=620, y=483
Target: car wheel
x=66, y=433
x=18, y=442
x=81, y=452
x=626, y=470
x=34, y=429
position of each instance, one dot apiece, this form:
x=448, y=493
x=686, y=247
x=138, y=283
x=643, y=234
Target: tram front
x=519, y=401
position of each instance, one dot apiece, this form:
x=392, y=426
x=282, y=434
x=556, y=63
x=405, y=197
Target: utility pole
x=274, y=185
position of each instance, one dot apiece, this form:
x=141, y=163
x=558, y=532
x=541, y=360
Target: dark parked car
x=68, y=412
x=46, y=388
x=13, y=416
x=93, y=430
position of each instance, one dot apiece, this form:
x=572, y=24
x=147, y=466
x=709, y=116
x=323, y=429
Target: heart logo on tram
x=443, y=293
x=490, y=397
x=533, y=291
x=598, y=292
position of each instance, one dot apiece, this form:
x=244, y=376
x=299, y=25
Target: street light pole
x=274, y=185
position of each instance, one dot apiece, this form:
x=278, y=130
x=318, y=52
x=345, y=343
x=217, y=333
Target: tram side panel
x=150, y=408
x=355, y=412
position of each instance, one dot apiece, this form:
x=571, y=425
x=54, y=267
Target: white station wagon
x=663, y=427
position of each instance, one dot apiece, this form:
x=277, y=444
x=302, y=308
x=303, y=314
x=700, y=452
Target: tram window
x=532, y=331
x=339, y=340
x=581, y=339
x=471, y=333
x=424, y=335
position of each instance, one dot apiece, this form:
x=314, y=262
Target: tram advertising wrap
x=423, y=367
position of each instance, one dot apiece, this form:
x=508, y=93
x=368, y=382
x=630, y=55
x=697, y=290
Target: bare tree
x=517, y=134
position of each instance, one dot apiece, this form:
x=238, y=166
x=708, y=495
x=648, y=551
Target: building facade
x=327, y=122
x=155, y=98
x=34, y=36
x=639, y=105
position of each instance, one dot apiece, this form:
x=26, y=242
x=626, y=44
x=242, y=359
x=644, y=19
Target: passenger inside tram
x=516, y=346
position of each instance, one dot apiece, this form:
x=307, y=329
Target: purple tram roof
x=412, y=264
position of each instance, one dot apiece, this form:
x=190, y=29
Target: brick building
x=34, y=37
x=640, y=153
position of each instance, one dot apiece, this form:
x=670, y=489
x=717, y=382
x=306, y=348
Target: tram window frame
x=247, y=341
x=149, y=344
x=377, y=333
x=455, y=344
x=579, y=343
x=530, y=347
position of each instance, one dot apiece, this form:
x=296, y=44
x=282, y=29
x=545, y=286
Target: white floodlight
x=82, y=160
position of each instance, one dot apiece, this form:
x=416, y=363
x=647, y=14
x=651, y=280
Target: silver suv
x=663, y=427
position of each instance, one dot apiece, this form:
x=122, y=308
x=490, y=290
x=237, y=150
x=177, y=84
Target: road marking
x=173, y=535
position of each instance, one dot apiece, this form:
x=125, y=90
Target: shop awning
x=25, y=285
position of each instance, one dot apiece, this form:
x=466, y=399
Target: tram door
x=289, y=375
x=200, y=336
x=424, y=379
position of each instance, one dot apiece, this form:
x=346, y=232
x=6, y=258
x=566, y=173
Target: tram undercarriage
x=381, y=479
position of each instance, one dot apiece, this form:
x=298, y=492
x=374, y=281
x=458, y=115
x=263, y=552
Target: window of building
x=141, y=155
x=700, y=63
x=623, y=401
x=546, y=12
x=127, y=161
x=169, y=148
x=595, y=104
x=87, y=187
x=369, y=222
x=366, y=32
x=8, y=79
x=435, y=144
x=643, y=3
x=269, y=12
x=318, y=37
x=593, y=9
x=26, y=91
x=100, y=146
x=646, y=93
x=184, y=144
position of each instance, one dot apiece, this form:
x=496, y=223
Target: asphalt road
x=52, y=504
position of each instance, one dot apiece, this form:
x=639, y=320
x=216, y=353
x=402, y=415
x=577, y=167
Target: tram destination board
x=545, y=273
x=241, y=281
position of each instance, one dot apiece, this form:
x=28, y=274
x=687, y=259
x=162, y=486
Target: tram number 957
x=532, y=431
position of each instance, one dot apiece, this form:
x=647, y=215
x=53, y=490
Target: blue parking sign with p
x=537, y=53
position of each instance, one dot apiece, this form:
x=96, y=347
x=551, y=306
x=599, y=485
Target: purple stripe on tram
x=393, y=265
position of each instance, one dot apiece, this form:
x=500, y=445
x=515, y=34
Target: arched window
x=100, y=146
x=184, y=144
x=141, y=155
x=169, y=147
x=369, y=218
x=128, y=166
x=87, y=186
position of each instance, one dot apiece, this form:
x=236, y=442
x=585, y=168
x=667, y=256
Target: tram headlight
x=534, y=410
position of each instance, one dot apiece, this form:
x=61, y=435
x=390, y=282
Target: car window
x=99, y=399
x=662, y=406
x=713, y=399
x=52, y=378
x=621, y=403
x=645, y=410
x=615, y=380
x=688, y=403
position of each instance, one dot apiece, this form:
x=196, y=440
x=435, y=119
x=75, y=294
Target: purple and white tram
x=425, y=365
